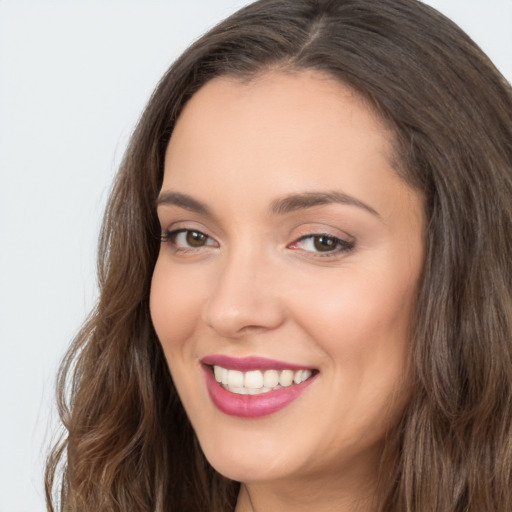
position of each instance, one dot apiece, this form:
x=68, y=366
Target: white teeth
x=235, y=379
x=239, y=391
x=286, y=378
x=255, y=382
x=271, y=378
x=306, y=374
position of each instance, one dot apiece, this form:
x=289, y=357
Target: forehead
x=302, y=96
x=274, y=116
x=287, y=130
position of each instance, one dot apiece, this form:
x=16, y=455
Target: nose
x=245, y=297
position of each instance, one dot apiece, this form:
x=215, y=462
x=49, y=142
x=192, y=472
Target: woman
x=311, y=231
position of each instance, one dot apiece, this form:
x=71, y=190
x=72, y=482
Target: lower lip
x=252, y=406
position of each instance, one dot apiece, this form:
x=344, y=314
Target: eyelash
x=339, y=245
x=170, y=238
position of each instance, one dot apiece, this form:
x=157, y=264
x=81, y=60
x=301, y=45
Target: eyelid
x=172, y=224
x=168, y=236
x=344, y=243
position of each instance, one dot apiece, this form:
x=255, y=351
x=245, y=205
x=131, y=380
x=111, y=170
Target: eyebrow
x=183, y=201
x=281, y=206
x=305, y=200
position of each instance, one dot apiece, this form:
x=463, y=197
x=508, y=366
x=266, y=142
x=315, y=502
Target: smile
x=257, y=381
x=252, y=387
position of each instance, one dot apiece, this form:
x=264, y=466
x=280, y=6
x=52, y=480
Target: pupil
x=195, y=239
x=324, y=243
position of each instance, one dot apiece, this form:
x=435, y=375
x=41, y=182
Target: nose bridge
x=245, y=293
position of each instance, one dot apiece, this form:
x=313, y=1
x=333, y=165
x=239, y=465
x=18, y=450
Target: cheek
x=175, y=305
x=364, y=329
x=362, y=324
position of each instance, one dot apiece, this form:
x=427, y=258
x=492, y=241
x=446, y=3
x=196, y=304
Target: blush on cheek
x=360, y=328
x=174, y=317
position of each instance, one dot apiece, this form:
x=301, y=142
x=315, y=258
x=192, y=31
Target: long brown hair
x=129, y=445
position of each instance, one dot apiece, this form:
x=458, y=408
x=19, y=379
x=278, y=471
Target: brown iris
x=196, y=238
x=324, y=243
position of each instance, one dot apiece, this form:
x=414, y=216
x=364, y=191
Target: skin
x=255, y=286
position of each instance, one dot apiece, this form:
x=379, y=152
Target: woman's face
x=291, y=250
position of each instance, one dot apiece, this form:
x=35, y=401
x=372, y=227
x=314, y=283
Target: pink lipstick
x=245, y=364
x=270, y=385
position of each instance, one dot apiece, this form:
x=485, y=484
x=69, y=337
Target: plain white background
x=74, y=77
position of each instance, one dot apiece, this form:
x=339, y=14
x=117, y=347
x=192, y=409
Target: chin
x=247, y=470
x=250, y=461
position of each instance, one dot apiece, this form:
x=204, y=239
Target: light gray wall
x=74, y=76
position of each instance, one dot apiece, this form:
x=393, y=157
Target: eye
x=322, y=243
x=183, y=239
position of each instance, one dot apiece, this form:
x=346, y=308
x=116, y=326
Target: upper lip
x=245, y=364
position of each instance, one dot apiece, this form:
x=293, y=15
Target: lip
x=246, y=364
x=252, y=406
